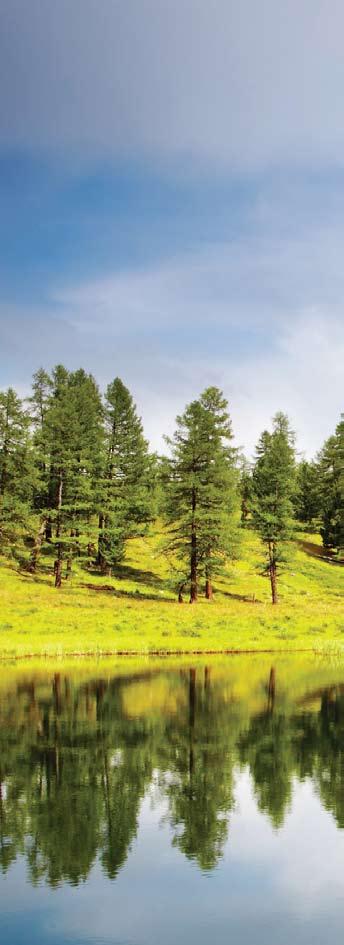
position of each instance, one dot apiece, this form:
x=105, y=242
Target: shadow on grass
x=318, y=551
x=244, y=598
x=124, y=572
x=132, y=595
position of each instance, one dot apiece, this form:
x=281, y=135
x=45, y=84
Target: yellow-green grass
x=138, y=612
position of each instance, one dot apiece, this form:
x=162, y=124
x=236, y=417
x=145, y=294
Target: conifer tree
x=331, y=475
x=201, y=491
x=16, y=471
x=245, y=490
x=274, y=486
x=307, y=496
x=69, y=445
x=125, y=494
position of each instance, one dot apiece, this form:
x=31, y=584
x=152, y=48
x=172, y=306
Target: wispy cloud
x=259, y=318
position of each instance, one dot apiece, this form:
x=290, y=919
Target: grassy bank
x=136, y=611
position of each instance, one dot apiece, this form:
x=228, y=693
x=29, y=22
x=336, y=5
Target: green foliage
x=125, y=492
x=246, y=490
x=78, y=485
x=67, y=417
x=274, y=486
x=81, y=746
x=307, y=501
x=331, y=474
x=17, y=475
x=201, y=498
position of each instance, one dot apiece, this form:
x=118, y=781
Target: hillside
x=136, y=610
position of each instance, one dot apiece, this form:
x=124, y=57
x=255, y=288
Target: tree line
x=77, y=480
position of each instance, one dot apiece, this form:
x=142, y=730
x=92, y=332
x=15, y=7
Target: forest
x=78, y=482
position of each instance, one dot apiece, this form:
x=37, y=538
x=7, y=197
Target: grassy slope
x=139, y=614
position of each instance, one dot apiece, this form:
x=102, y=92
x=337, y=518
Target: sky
x=171, y=203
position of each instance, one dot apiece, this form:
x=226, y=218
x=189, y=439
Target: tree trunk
x=34, y=557
x=193, y=555
x=100, y=527
x=69, y=568
x=273, y=580
x=273, y=572
x=208, y=589
x=48, y=530
x=58, y=572
x=58, y=562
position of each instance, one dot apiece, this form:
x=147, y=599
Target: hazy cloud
x=243, y=84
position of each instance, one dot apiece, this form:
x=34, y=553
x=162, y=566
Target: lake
x=156, y=803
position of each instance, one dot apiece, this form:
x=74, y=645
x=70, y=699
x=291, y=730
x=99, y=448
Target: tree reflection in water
x=77, y=758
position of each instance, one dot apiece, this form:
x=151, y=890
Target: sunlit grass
x=138, y=612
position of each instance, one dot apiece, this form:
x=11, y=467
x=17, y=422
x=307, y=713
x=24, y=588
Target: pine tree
x=16, y=472
x=274, y=486
x=331, y=475
x=125, y=493
x=69, y=445
x=307, y=502
x=201, y=491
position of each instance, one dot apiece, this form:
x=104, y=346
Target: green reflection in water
x=80, y=749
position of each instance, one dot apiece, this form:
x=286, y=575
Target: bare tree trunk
x=100, y=527
x=34, y=557
x=58, y=562
x=58, y=571
x=208, y=589
x=193, y=556
x=273, y=572
x=48, y=530
x=273, y=580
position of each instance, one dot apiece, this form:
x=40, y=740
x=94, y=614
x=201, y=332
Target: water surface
x=155, y=804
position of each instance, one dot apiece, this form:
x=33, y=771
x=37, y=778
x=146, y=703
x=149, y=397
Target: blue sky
x=171, y=195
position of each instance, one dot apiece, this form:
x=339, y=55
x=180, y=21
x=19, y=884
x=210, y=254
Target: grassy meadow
x=136, y=611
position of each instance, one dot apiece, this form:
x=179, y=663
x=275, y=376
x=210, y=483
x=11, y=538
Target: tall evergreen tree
x=331, y=474
x=69, y=444
x=245, y=490
x=201, y=491
x=307, y=495
x=16, y=471
x=274, y=486
x=125, y=494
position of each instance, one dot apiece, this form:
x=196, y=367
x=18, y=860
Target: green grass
x=138, y=612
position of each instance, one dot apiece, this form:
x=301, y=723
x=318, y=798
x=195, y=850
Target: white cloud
x=259, y=318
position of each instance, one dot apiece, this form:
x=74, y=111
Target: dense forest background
x=77, y=480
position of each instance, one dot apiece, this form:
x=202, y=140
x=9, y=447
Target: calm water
x=192, y=804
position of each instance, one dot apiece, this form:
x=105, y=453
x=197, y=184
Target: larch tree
x=69, y=443
x=331, y=475
x=201, y=494
x=245, y=490
x=125, y=490
x=308, y=493
x=274, y=487
x=17, y=474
